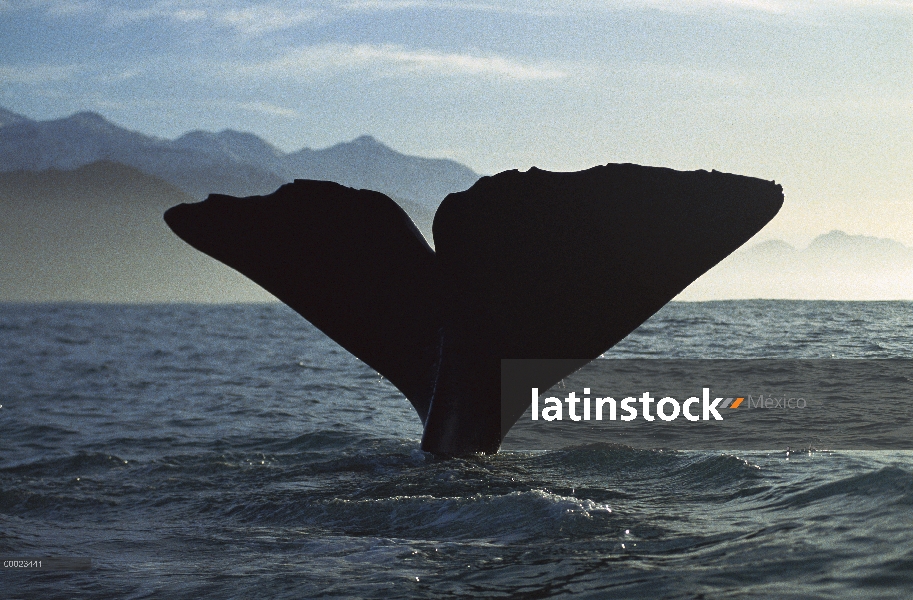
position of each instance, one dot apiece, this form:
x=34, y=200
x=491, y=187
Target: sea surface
x=233, y=451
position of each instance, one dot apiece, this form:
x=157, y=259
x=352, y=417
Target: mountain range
x=228, y=162
x=834, y=265
x=96, y=234
x=81, y=203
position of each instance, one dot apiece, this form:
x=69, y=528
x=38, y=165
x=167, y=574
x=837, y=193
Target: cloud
x=245, y=19
x=393, y=60
x=37, y=74
x=261, y=18
x=542, y=7
x=52, y=8
x=256, y=19
x=551, y=7
x=67, y=8
x=267, y=109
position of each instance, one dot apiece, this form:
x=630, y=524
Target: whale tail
x=526, y=265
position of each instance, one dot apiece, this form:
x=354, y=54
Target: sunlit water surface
x=235, y=452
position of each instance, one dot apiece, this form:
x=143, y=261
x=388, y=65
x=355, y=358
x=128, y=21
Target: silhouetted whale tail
x=526, y=265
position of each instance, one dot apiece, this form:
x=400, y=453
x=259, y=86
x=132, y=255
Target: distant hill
x=365, y=163
x=834, y=265
x=96, y=234
x=8, y=117
x=229, y=162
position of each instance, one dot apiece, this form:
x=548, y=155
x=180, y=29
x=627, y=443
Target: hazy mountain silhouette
x=833, y=265
x=96, y=234
x=51, y=249
x=7, y=117
x=235, y=146
x=769, y=250
x=840, y=250
x=365, y=163
x=228, y=162
x=87, y=137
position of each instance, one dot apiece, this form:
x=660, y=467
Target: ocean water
x=235, y=452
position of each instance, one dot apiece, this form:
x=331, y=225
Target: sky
x=817, y=95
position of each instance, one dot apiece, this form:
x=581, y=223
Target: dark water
x=233, y=452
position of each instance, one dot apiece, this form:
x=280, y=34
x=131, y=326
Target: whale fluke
x=526, y=265
x=349, y=261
